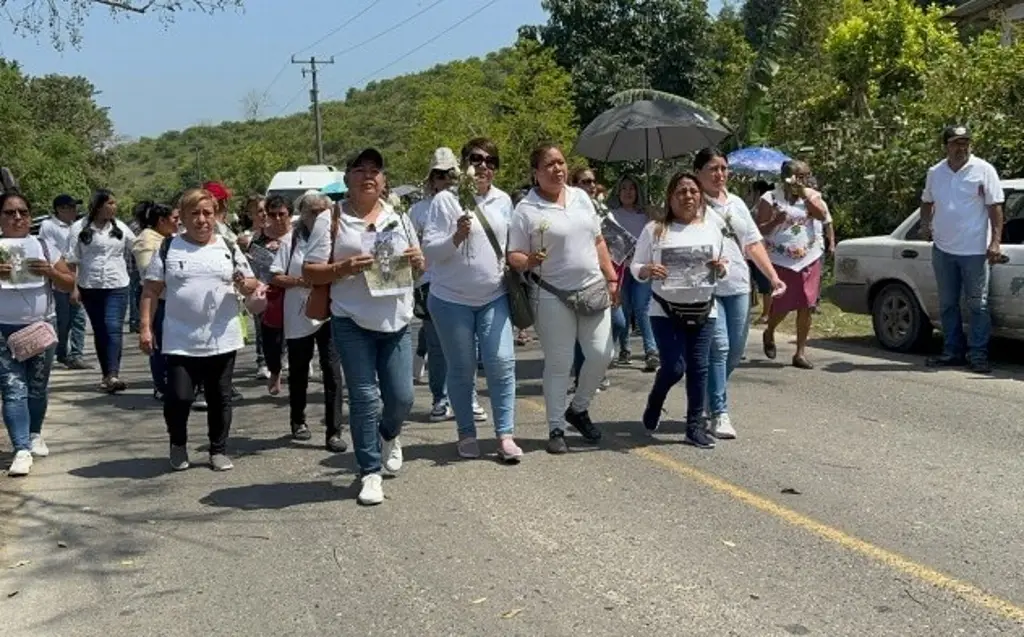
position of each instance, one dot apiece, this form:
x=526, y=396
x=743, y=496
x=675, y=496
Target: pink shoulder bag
x=34, y=339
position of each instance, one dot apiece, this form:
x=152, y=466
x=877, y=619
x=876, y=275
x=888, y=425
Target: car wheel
x=899, y=322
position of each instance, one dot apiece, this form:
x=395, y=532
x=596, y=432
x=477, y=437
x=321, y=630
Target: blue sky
x=156, y=77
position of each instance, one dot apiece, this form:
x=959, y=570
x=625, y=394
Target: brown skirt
x=801, y=288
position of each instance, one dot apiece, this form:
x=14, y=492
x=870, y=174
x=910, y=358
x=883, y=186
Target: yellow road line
x=966, y=591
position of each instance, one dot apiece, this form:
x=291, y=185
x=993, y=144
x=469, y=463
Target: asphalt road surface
x=867, y=497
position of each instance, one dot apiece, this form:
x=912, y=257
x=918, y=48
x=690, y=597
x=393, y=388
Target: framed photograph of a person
x=620, y=243
x=391, y=273
x=688, y=267
x=19, y=253
x=260, y=259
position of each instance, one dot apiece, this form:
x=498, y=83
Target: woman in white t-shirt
x=682, y=256
x=732, y=296
x=468, y=300
x=201, y=275
x=370, y=326
x=99, y=251
x=556, y=236
x=791, y=218
x=29, y=271
x=303, y=333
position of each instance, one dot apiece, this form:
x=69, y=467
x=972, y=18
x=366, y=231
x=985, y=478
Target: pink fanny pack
x=31, y=340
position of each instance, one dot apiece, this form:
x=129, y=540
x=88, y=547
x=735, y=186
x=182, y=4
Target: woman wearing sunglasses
x=468, y=302
x=26, y=298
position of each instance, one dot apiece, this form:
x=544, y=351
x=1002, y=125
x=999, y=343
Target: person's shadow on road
x=278, y=495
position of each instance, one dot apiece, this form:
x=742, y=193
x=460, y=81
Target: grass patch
x=830, y=322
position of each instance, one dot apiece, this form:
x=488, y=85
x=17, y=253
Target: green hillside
x=518, y=96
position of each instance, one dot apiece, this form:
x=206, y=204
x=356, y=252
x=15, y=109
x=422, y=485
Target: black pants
x=300, y=353
x=273, y=348
x=184, y=374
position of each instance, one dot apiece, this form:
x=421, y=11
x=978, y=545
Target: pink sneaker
x=508, y=451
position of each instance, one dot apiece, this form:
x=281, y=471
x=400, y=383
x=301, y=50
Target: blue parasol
x=335, y=188
x=757, y=160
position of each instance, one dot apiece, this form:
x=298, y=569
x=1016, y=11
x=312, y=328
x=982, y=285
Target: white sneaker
x=21, y=465
x=263, y=373
x=479, y=414
x=391, y=452
x=441, y=412
x=39, y=447
x=372, y=491
x=721, y=427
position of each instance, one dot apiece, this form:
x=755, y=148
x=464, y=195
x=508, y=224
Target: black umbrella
x=661, y=126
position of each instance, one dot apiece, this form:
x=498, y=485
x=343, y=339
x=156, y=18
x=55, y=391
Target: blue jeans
x=70, y=327
x=437, y=366
x=157, y=360
x=23, y=390
x=969, y=275
x=376, y=366
x=461, y=328
x=728, y=342
x=620, y=334
x=106, y=309
x=683, y=352
x=636, y=299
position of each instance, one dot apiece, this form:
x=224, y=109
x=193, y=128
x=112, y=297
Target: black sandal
x=769, y=346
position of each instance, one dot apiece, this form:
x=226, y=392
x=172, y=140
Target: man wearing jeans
x=962, y=211
x=70, y=313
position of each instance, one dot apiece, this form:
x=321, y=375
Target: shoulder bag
x=518, y=289
x=318, y=305
x=35, y=338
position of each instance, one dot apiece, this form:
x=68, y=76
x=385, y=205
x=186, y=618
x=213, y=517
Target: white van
x=292, y=184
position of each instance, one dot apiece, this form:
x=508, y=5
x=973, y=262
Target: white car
x=891, y=279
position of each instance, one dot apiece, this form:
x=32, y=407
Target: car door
x=913, y=256
x=1006, y=288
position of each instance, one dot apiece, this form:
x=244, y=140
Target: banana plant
x=753, y=127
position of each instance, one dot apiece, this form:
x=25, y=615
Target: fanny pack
x=587, y=301
x=687, y=315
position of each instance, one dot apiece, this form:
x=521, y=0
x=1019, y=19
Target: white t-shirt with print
x=103, y=262
x=22, y=306
x=567, y=234
x=961, y=225
x=735, y=220
x=470, y=274
x=706, y=234
x=289, y=262
x=350, y=296
x=201, y=314
x=797, y=242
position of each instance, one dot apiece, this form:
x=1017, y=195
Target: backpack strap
x=165, y=249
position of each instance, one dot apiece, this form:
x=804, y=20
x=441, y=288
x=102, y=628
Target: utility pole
x=314, y=98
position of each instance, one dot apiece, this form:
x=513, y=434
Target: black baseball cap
x=66, y=200
x=953, y=133
x=367, y=154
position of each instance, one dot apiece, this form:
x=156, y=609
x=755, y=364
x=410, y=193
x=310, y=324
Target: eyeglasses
x=16, y=212
x=477, y=159
x=277, y=215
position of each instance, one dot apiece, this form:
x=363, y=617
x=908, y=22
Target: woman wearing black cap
x=371, y=301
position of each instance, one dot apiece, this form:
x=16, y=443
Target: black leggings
x=184, y=375
x=273, y=348
x=300, y=353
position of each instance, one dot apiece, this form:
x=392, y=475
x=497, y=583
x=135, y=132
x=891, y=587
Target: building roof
x=978, y=8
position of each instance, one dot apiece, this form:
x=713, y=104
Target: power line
x=421, y=46
x=388, y=30
x=340, y=27
x=265, y=92
x=294, y=97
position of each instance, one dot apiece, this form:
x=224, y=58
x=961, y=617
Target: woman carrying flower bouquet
x=464, y=241
x=24, y=384
x=791, y=218
x=556, y=236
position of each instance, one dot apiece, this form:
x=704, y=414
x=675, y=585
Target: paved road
x=867, y=497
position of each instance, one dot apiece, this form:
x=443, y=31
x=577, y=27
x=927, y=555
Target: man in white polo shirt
x=962, y=211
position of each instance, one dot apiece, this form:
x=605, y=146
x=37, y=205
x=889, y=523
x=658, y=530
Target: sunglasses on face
x=16, y=212
x=477, y=159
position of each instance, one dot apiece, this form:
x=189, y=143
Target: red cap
x=218, y=190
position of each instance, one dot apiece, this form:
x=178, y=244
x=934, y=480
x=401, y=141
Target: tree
x=64, y=18
x=254, y=103
x=613, y=45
